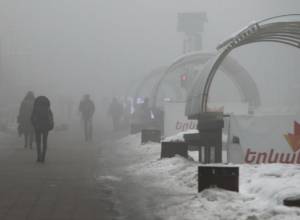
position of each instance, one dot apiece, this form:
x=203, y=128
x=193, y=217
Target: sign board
x=174, y=120
x=267, y=139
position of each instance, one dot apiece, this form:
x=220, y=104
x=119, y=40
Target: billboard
x=175, y=121
x=268, y=138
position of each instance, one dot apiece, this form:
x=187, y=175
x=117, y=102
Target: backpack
x=42, y=118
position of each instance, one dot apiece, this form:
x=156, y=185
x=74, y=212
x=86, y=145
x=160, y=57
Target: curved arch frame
x=190, y=58
x=238, y=75
x=285, y=31
x=156, y=73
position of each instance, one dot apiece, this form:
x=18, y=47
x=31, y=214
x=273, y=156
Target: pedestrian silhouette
x=87, y=109
x=25, y=127
x=42, y=121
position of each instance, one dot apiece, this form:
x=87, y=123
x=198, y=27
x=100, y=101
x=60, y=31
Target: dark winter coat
x=42, y=117
x=25, y=112
x=87, y=108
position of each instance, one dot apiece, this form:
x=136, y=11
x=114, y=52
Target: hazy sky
x=86, y=45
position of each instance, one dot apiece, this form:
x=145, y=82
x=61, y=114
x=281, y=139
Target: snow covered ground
x=262, y=187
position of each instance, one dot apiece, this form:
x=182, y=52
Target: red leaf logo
x=294, y=139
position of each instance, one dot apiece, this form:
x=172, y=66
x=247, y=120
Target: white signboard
x=174, y=120
x=268, y=139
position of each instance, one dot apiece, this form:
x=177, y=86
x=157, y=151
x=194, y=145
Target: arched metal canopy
x=152, y=79
x=238, y=75
x=283, y=29
x=156, y=73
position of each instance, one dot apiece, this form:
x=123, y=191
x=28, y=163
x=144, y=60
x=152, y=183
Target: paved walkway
x=64, y=188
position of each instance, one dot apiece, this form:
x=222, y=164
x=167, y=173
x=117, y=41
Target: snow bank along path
x=262, y=187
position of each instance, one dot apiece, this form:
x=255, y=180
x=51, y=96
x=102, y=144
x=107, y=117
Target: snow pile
x=272, y=182
x=174, y=173
x=179, y=136
x=131, y=147
x=262, y=187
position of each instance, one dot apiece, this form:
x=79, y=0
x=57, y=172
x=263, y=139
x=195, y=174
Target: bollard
x=150, y=135
x=292, y=201
x=210, y=125
x=208, y=144
x=222, y=177
x=170, y=149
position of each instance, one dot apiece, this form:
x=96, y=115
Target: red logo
x=294, y=139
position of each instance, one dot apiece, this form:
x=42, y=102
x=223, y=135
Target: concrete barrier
x=292, y=201
x=218, y=176
x=150, y=135
x=170, y=149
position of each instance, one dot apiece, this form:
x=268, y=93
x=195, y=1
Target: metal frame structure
x=154, y=76
x=239, y=76
x=156, y=73
x=284, y=29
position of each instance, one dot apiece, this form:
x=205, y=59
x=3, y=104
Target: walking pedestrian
x=87, y=109
x=25, y=127
x=42, y=121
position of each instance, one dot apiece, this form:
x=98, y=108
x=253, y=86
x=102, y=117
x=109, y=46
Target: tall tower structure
x=192, y=25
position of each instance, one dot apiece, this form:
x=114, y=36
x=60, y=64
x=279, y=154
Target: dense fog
x=136, y=110
x=66, y=48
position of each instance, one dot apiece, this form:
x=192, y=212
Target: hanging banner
x=267, y=139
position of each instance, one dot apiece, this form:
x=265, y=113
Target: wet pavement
x=65, y=187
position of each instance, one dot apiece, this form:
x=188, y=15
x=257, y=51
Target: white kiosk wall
x=268, y=138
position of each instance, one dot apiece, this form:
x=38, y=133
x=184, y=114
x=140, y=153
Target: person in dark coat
x=42, y=121
x=87, y=109
x=25, y=126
